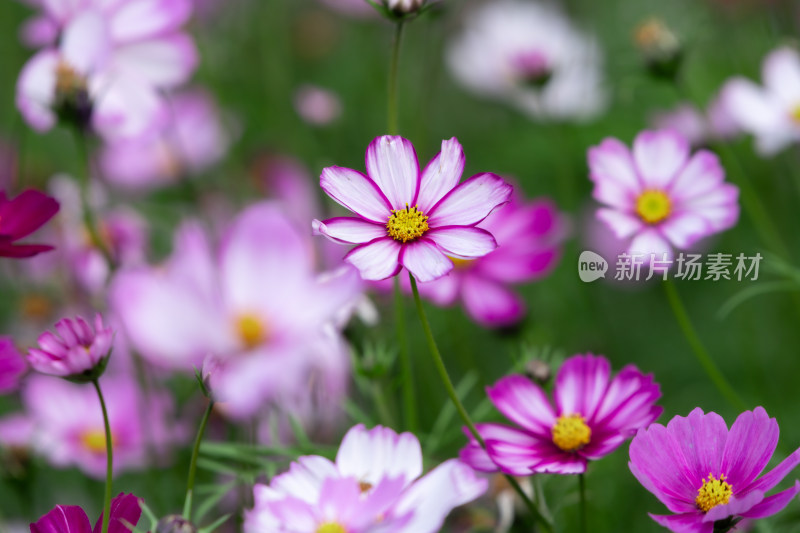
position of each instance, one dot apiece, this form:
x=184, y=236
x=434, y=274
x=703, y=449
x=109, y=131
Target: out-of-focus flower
x=175, y=524
x=593, y=416
x=528, y=246
x=374, y=486
x=658, y=195
x=108, y=68
x=660, y=47
x=191, y=140
x=407, y=218
x=699, y=127
x=125, y=512
x=12, y=365
x=708, y=475
x=530, y=55
x=257, y=306
x=771, y=113
x=68, y=423
x=78, y=353
x=316, y=105
x=20, y=217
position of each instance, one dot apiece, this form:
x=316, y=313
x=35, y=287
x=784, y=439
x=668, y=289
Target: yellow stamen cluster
x=407, y=224
x=460, y=263
x=252, y=330
x=94, y=440
x=68, y=80
x=571, y=432
x=653, y=206
x=713, y=492
x=331, y=527
x=795, y=114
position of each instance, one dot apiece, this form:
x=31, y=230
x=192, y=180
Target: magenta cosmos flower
x=373, y=487
x=108, y=67
x=591, y=418
x=19, y=218
x=125, y=512
x=529, y=236
x=12, y=365
x=707, y=474
x=79, y=352
x=407, y=218
x=659, y=196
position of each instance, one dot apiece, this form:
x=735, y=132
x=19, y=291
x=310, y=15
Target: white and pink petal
x=392, y=164
x=470, y=202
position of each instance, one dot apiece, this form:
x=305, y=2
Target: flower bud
x=175, y=524
x=660, y=47
x=78, y=353
x=403, y=7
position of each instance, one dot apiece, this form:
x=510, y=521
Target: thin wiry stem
x=109, y=457
x=187, y=504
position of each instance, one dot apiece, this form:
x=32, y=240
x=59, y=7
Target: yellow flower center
x=331, y=527
x=653, y=206
x=407, y=224
x=571, y=432
x=364, y=486
x=460, y=263
x=252, y=330
x=713, y=492
x=94, y=440
x=68, y=81
x=795, y=114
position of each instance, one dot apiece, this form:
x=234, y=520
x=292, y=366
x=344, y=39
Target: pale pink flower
x=530, y=55
x=770, y=113
x=108, y=67
x=407, y=218
x=373, y=487
x=658, y=195
x=257, y=304
x=317, y=106
x=68, y=429
x=192, y=140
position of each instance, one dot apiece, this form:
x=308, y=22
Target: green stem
x=89, y=219
x=109, y=458
x=409, y=396
x=582, y=489
x=187, y=504
x=391, y=112
x=699, y=350
x=451, y=392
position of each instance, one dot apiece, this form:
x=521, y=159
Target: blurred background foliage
x=254, y=56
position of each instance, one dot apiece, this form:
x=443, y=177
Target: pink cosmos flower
x=707, y=474
x=771, y=113
x=592, y=417
x=659, y=196
x=699, y=127
x=317, y=106
x=256, y=304
x=373, y=487
x=12, y=365
x=407, y=218
x=531, y=55
x=78, y=352
x=192, y=140
x=125, y=512
x=19, y=218
x=110, y=63
x=528, y=246
x=67, y=423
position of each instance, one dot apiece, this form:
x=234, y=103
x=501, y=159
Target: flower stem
x=451, y=392
x=89, y=220
x=699, y=350
x=391, y=112
x=187, y=504
x=409, y=397
x=109, y=458
x=582, y=489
